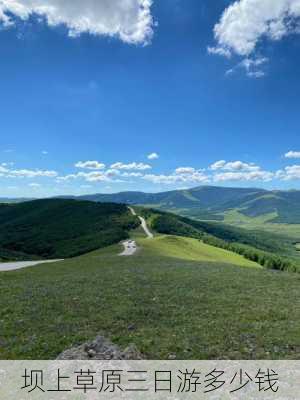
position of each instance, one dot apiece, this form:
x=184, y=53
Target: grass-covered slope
x=269, y=250
x=184, y=248
x=164, y=302
x=58, y=228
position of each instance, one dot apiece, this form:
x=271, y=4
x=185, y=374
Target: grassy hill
x=166, y=301
x=268, y=249
x=59, y=228
x=183, y=248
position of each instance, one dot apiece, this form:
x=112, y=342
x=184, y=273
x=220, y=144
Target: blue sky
x=151, y=97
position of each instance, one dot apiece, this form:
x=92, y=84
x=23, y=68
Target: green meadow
x=262, y=223
x=175, y=297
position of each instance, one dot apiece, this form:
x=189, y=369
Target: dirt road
x=12, y=266
x=143, y=224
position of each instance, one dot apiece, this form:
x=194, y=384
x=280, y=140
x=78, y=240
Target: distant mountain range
x=8, y=200
x=211, y=202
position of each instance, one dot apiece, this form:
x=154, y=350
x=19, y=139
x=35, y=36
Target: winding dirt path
x=130, y=246
x=143, y=224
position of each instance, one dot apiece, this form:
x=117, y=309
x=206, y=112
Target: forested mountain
x=59, y=228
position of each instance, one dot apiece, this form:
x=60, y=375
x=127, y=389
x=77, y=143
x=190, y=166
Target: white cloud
x=108, y=175
x=181, y=175
x=220, y=51
x=218, y=165
x=184, y=170
x=132, y=166
x=27, y=173
x=246, y=22
x=153, y=156
x=244, y=176
x=129, y=20
x=3, y=168
x=239, y=171
x=112, y=173
x=292, y=154
x=131, y=174
x=252, y=66
x=289, y=173
x=7, y=172
x=94, y=176
x=89, y=165
x=234, y=166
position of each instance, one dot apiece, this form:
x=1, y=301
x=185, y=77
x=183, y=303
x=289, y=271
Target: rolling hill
x=59, y=228
x=268, y=249
x=210, y=202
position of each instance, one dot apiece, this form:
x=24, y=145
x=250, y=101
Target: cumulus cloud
x=180, y=175
x=129, y=20
x=6, y=171
x=153, y=156
x=292, y=154
x=109, y=175
x=220, y=51
x=239, y=171
x=26, y=173
x=244, y=176
x=185, y=171
x=234, y=166
x=90, y=165
x=289, y=173
x=218, y=165
x=131, y=174
x=94, y=176
x=246, y=22
x=132, y=166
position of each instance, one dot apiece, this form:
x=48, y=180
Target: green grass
x=193, y=250
x=175, y=303
x=262, y=223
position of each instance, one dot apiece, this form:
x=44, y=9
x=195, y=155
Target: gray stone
x=100, y=349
